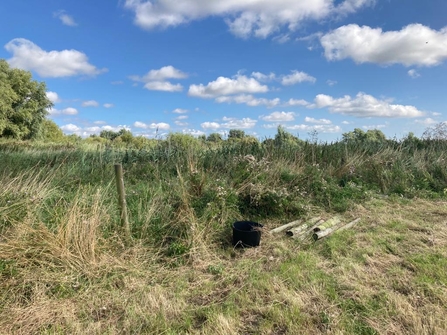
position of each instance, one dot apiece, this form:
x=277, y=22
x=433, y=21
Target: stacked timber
x=315, y=227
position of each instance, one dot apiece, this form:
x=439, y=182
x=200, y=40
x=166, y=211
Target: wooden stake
x=122, y=200
x=286, y=226
x=320, y=234
x=301, y=229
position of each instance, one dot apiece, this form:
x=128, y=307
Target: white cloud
x=373, y=127
x=415, y=44
x=346, y=122
x=90, y=130
x=90, y=103
x=160, y=126
x=364, y=105
x=163, y=86
x=426, y=122
x=297, y=77
x=279, y=117
x=65, y=63
x=249, y=100
x=53, y=97
x=413, y=73
x=297, y=102
x=180, y=111
x=263, y=77
x=65, y=18
x=436, y=114
x=180, y=123
x=245, y=18
x=156, y=80
x=319, y=128
x=233, y=123
x=166, y=72
x=193, y=132
x=72, y=128
x=100, y=122
x=210, y=125
x=331, y=82
x=65, y=111
x=227, y=86
x=281, y=39
x=181, y=117
x=320, y=121
x=108, y=105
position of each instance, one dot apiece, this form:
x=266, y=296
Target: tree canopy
x=23, y=103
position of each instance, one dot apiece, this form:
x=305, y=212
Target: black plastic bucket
x=246, y=234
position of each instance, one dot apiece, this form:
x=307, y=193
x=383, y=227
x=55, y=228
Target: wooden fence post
x=122, y=199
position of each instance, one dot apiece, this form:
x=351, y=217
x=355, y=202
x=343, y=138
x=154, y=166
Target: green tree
x=284, y=138
x=214, y=137
x=51, y=132
x=236, y=134
x=23, y=103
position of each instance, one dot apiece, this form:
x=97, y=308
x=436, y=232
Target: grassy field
x=67, y=268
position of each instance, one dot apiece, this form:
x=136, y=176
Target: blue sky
x=204, y=66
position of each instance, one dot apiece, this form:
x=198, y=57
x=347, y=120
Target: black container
x=246, y=234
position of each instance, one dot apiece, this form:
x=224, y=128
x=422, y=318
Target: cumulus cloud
x=163, y=86
x=245, y=18
x=65, y=111
x=180, y=111
x=331, y=82
x=279, y=117
x=108, y=105
x=227, y=86
x=413, y=73
x=157, y=80
x=364, y=105
x=320, y=121
x=90, y=103
x=374, y=127
x=321, y=128
x=415, y=44
x=53, y=97
x=427, y=122
x=234, y=123
x=249, y=100
x=210, y=125
x=166, y=72
x=297, y=77
x=297, y=102
x=263, y=77
x=65, y=63
x=193, y=132
x=90, y=130
x=72, y=128
x=65, y=18
x=159, y=126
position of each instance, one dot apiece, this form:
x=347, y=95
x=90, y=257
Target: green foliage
x=236, y=134
x=214, y=137
x=371, y=136
x=51, y=132
x=23, y=103
x=284, y=138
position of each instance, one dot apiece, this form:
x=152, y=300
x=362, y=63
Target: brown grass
x=370, y=279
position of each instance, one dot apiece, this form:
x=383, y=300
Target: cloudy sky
x=204, y=66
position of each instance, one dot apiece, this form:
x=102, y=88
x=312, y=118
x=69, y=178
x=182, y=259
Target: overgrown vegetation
x=66, y=268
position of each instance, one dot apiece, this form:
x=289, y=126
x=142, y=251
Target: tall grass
x=64, y=267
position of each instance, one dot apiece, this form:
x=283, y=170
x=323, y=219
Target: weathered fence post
x=122, y=199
